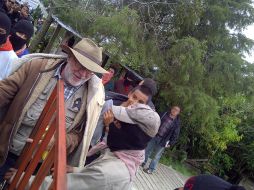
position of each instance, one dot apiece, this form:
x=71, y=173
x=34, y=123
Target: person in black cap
x=5, y=26
x=208, y=182
x=7, y=55
x=20, y=35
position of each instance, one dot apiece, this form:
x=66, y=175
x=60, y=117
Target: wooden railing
x=51, y=124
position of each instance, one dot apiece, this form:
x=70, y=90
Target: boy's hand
x=8, y=176
x=108, y=118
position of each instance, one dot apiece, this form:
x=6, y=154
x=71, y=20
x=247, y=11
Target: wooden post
x=66, y=37
x=60, y=143
x=39, y=37
x=53, y=38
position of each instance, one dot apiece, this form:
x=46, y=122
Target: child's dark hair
x=145, y=89
x=150, y=83
x=25, y=5
x=114, y=67
x=71, y=41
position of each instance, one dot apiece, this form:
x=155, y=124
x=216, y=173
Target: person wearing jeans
x=154, y=146
x=166, y=137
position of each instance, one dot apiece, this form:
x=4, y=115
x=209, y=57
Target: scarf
x=6, y=46
x=132, y=158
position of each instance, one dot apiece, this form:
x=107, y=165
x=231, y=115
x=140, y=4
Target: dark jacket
x=128, y=137
x=172, y=134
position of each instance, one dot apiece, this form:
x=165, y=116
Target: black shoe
x=148, y=171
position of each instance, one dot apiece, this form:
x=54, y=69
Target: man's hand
x=69, y=169
x=29, y=140
x=108, y=118
x=50, y=145
x=10, y=174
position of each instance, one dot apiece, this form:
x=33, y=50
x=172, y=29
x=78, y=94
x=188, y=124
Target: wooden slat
x=60, y=153
x=44, y=170
x=37, y=157
x=49, y=105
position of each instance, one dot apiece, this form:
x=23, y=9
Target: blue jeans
x=9, y=163
x=154, y=146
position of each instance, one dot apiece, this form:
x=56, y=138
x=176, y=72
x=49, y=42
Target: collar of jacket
x=54, y=67
x=17, y=63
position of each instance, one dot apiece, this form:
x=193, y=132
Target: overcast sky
x=249, y=32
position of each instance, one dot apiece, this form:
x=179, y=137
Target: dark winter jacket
x=173, y=133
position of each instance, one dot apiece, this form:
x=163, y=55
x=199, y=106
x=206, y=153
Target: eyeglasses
x=80, y=67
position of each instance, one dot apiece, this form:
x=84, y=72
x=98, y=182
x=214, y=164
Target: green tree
x=198, y=47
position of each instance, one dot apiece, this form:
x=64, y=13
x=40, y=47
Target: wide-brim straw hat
x=88, y=55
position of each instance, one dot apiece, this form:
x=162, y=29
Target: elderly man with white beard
x=28, y=89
